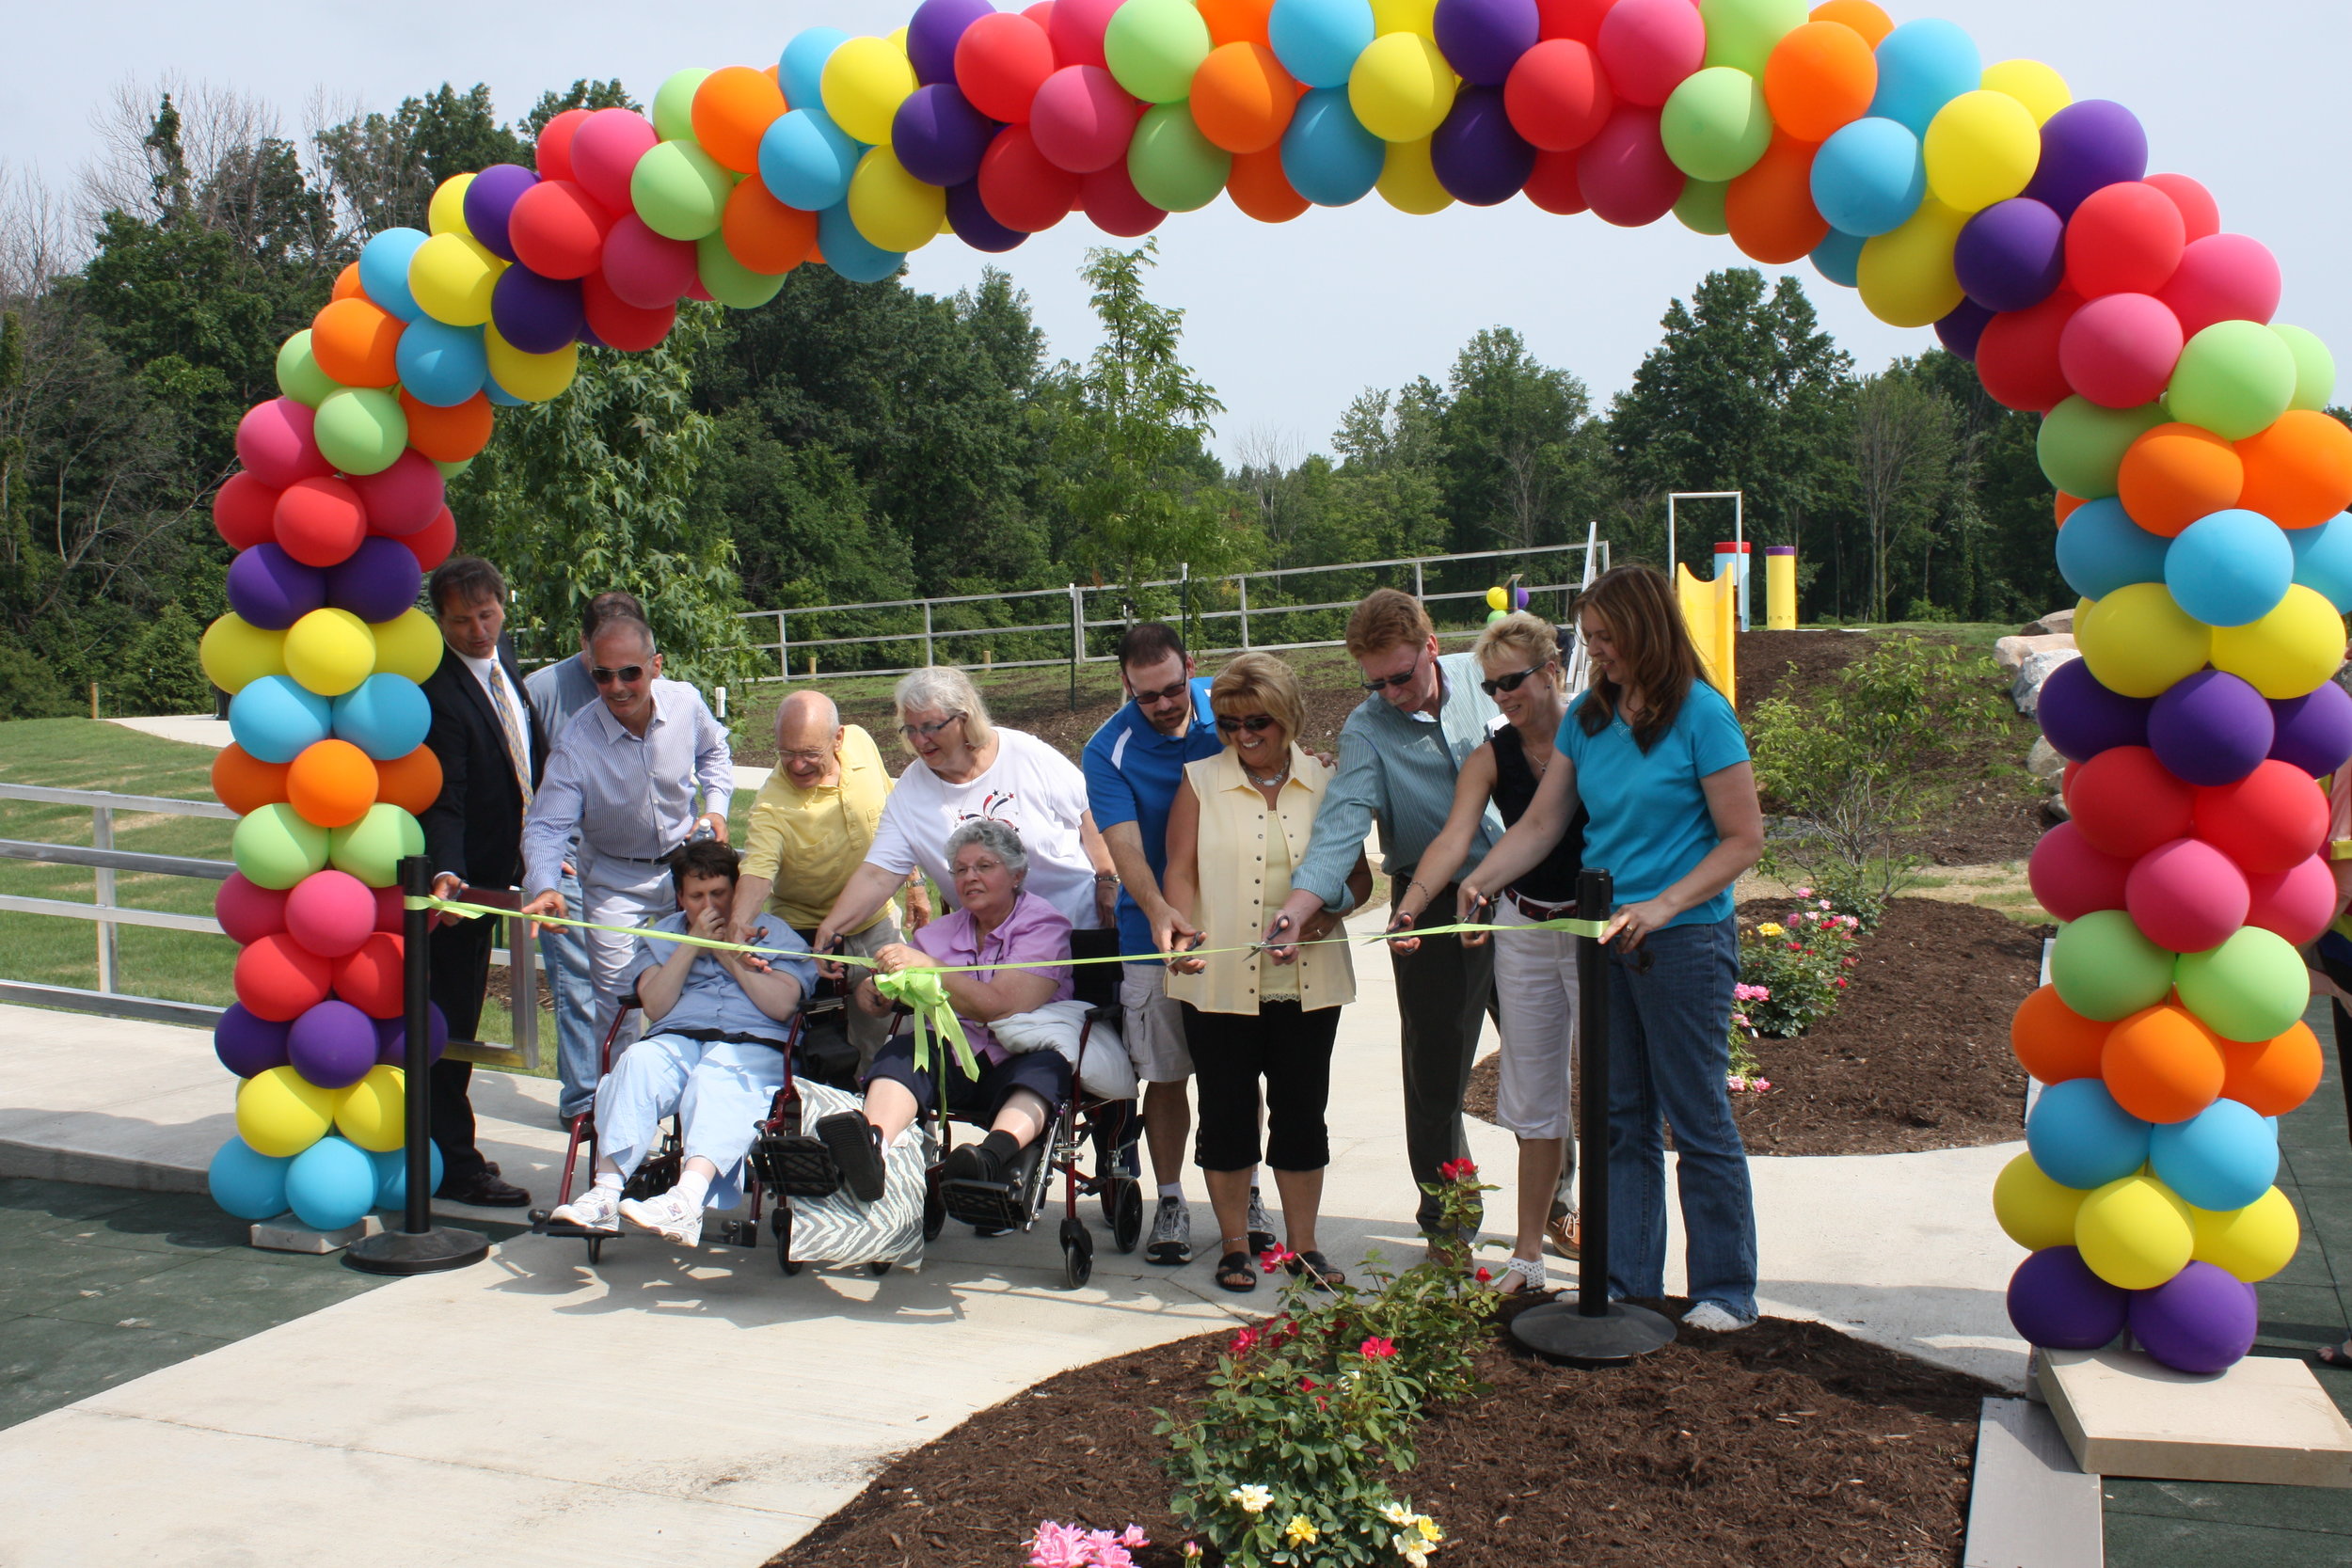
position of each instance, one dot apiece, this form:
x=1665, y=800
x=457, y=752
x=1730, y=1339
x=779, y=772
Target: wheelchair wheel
x=1126, y=1207
x=879, y=1266
x=934, y=1211
x=782, y=1226
x=1077, y=1255
x=596, y=1250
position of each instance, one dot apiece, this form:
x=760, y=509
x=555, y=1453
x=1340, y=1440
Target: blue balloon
x=2081, y=1137
x=1317, y=40
x=384, y=271
x=2100, y=549
x=800, y=72
x=2228, y=568
x=1839, y=258
x=2222, y=1158
x=850, y=253
x=1922, y=66
x=385, y=716
x=246, y=1183
x=499, y=396
x=1327, y=155
x=330, y=1184
x=392, y=1174
x=805, y=161
x=274, y=718
x=2323, y=560
x=441, y=365
x=1869, y=177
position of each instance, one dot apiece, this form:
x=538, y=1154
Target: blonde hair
x=1271, y=681
x=1388, y=618
x=946, y=689
x=1531, y=638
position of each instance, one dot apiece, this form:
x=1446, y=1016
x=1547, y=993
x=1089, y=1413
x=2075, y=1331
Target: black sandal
x=1325, y=1276
x=1238, y=1265
x=2334, y=1355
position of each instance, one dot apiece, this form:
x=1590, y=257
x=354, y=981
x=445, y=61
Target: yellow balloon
x=864, y=83
x=2290, y=651
x=1409, y=182
x=533, y=377
x=1906, y=276
x=1400, y=87
x=2041, y=89
x=2138, y=641
x=2032, y=1210
x=899, y=37
x=447, y=212
x=451, y=276
x=409, y=645
x=281, y=1112
x=330, y=652
x=2252, y=1243
x=236, y=653
x=2134, y=1233
x=374, y=1111
x=892, y=207
x=1981, y=147
x=1405, y=16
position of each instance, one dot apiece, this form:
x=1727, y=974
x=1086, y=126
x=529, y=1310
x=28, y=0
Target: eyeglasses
x=1166, y=694
x=973, y=868
x=627, y=674
x=1257, y=723
x=925, y=732
x=812, y=759
x=1383, y=681
x=1511, y=682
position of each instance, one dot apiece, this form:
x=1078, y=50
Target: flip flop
x=1325, y=1276
x=1235, y=1265
x=2334, y=1355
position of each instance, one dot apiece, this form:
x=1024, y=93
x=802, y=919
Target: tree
x=1509, y=427
x=384, y=169
x=1903, y=450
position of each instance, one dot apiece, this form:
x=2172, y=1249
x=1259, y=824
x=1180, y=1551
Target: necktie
x=511, y=722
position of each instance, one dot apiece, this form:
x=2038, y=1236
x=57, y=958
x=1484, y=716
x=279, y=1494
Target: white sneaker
x=1715, y=1318
x=676, y=1220
x=594, y=1210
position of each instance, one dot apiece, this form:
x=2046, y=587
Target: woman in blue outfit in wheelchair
x=1017, y=1096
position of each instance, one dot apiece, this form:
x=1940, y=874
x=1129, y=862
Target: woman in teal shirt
x=1656, y=755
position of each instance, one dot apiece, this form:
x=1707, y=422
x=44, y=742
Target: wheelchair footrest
x=997, y=1205
x=796, y=1165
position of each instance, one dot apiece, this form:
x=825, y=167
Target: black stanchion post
x=417, y=1247
x=1598, y=1331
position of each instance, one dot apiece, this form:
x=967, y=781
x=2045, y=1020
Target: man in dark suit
x=491, y=750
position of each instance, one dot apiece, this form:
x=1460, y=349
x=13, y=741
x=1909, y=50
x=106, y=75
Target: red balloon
x=2017, y=357
x=249, y=911
x=1624, y=171
x=2269, y=821
x=1650, y=46
x=2199, y=213
x=1553, y=185
x=245, y=511
x=552, y=154
x=1001, y=60
x=431, y=544
x=1076, y=27
x=558, y=230
x=2297, y=903
x=647, y=269
x=1580, y=19
x=2125, y=238
x=1557, y=96
x=2119, y=349
x=2070, y=878
x=2126, y=802
x=617, y=324
x=320, y=521
x=1111, y=200
x=370, y=978
x=1020, y=188
x=403, y=497
x=2185, y=895
x=1083, y=119
x=391, y=911
x=604, y=154
x=2223, y=277
x=279, y=979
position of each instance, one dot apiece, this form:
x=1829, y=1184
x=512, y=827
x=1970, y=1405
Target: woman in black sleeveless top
x=1535, y=971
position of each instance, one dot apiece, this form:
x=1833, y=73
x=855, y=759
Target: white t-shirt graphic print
x=1032, y=789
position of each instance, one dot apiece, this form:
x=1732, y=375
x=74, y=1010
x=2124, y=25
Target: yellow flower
x=1429, y=1530
x=1301, y=1533
x=1770, y=929
x=1253, y=1499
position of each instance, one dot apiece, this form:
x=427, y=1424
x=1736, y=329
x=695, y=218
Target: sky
x=1287, y=321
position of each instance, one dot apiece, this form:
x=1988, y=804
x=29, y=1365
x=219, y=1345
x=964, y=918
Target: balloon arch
x=2200, y=486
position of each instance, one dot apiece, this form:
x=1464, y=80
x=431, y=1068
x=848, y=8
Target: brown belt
x=1536, y=910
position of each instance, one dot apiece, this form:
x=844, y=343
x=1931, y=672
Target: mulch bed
x=1788, y=1446
x=1916, y=1055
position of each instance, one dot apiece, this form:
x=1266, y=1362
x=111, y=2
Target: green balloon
x=673, y=104
x=1174, y=167
x=276, y=849
x=2082, y=445
x=1153, y=47
x=2105, y=970
x=361, y=430
x=2234, y=378
x=2253, y=986
x=2314, y=367
x=728, y=280
x=1740, y=33
x=451, y=471
x=300, y=378
x=1701, y=206
x=371, y=847
x=1715, y=125
x=680, y=190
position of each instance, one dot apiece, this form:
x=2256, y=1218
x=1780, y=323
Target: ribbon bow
x=924, y=993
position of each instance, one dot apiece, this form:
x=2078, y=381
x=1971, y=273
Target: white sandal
x=1530, y=1274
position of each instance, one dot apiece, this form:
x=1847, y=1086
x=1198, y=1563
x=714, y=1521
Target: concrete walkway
x=702, y=1408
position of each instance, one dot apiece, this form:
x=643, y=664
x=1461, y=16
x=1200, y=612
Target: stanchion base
x=416, y=1252
x=1559, y=1332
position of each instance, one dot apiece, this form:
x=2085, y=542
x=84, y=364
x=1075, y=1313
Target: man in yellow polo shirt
x=811, y=825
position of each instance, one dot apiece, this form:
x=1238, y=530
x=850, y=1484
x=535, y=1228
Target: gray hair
x=997, y=838
x=945, y=689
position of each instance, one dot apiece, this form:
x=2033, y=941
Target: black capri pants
x=1288, y=1049
x=1045, y=1074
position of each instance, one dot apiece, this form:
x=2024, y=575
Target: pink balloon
x=2185, y=895
x=1083, y=119
x=331, y=913
x=605, y=150
x=1648, y=47
x=1624, y=171
x=647, y=269
x=404, y=499
x=2070, y=878
x=249, y=911
x=2201, y=214
x=2297, y=903
x=2119, y=349
x=2223, y=278
x=276, y=444
x=1076, y=28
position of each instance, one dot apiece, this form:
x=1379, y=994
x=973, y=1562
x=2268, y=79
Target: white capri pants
x=717, y=1090
x=1535, y=990
x=620, y=893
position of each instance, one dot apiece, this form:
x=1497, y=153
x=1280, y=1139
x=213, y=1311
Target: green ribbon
x=924, y=993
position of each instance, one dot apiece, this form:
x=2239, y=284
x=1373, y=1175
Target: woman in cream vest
x=1236, y=829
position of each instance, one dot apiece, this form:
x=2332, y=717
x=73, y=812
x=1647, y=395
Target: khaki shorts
x=1155, y=1030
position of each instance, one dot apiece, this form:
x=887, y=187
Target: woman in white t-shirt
x=966, y=767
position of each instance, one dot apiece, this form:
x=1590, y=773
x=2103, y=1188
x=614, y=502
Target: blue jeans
x=1668, y=1052
x=563, y=956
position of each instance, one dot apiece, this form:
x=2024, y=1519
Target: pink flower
x=1482, y=1276
x=1133, y=1537
x=1841, y=982
x=1804, y=893
x=1057, y=1547
x=1825, y=903
x=1244, y=1341
x=1378, y=1349
x=1458, y=1170
x=1307, y=1385
x=1275, y=1257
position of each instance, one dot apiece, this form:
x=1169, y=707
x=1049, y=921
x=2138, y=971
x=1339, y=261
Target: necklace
x=1275, y=781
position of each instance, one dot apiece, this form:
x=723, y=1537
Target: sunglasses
x=927, y=731
x=1382, y=682
x=1166, y=694
x=1510, y=682
x=1257, y=723
x=627, y=674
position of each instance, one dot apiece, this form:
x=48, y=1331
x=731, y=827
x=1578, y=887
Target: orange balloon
x=245, y=782
x=357, y=342
x=448, y=434
x=2064, y=506
x=331, y=782
x=2272, y=1076
x=2053, y=1041
x=2176, y=473
x=347, y=283
x=1259, y=188
x=733, y=109
x=1769, y=209
x=2298, y=472
x=765, y=234
x=2162, y=1064
x=411, y=782
x=1237, y=22
x=1818, y=77
x=1242, y=98
x=1862, y=16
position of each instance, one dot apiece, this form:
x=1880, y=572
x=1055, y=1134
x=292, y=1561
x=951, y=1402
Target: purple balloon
x=1959, y=332
x=271, y=589
x=2314, y=731
x=2200, y=1320
x=939, y=137
x=1482, y=40
x=933, y=34
x=490, y=201
x=974, y=225
x=392, y=1038
x=538, y=315
x=332, y=1044
x=2087, y=146
x=2080, y=718
x=246, y=1044
x=2011, y=255
x=2054, y=1301
x=2211, y=728
x=376, y=581
x=1479, y=157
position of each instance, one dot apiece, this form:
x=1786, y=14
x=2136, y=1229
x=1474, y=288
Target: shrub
x=1792, y=969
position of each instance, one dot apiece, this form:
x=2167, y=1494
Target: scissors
x=1282, y=923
